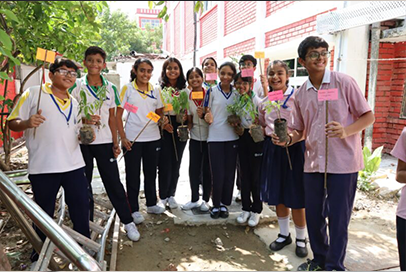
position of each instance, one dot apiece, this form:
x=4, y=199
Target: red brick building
x=229, y=28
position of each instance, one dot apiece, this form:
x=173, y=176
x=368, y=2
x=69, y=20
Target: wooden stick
x=40, y=87
x=200, y=134
x=325, y=166
x=260, y=65
x=173, y=139
x=290, y=163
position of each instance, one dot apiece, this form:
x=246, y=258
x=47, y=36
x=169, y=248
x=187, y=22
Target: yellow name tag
x=153, y=116
x=259, y=55
x=168, y=107
x=41, y=55
x=197, y=95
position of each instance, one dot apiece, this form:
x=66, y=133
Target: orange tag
x=168, y=107
x=197, y=95
x=259, y=54
x=153, y=116
x=50, y=55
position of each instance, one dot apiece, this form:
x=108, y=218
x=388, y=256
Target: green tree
x=117, y=33
x=68, y=27
x=148, y=40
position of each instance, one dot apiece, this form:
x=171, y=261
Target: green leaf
x=9, y=14
x=150, y=4
x=5, y=39
x=2, y=98
x=166, y=18
x=163, y=12
x=3, y=75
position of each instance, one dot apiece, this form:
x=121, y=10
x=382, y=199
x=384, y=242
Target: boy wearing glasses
x=348, y=115
x=54, y=154
x=249, y=62
x=105, y=146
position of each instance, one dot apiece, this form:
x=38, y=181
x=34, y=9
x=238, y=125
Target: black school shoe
x=310, y=265
x=214, y=215
x=224, y=214
x=301, y=251
x=275, y=246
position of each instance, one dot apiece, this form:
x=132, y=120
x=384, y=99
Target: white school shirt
x=200, y=129
x=217, y=101
x=246, y=120
x=146, y=102
x=257, y=88
x=103, y=134
x=55, y=148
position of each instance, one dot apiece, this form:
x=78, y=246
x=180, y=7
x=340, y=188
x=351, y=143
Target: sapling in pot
x=180, y=106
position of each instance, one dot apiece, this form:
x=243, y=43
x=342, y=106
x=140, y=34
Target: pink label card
x=212, y=76
x=130, y=108
x=327, y=95
x=275, y=95
x=247, y=72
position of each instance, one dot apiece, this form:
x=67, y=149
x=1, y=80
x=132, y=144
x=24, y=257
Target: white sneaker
x=137, y=217
x=243, y=217
x=172, y=203
x=132, y=232
x=254, y=219
x=204, y=207
x=190, y=205
x=156, y=209
x=238, y=197
x=164, y=202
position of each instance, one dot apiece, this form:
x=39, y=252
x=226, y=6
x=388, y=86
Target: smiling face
x=63, y=82
x=94, y=64
x=209, y=66
x=315, y=64
x=243, y=87
x=195, y=80
x=143, y=73
x=172, y=71
x=277, y=77
x=226, y=75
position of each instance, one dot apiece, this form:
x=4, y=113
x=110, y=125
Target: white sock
x=215, y=209
x=300, y=234
x=284, y=228
x=223, y=208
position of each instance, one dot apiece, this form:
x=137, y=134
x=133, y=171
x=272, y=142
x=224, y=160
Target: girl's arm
x=113, y=129
x=124, y=141
x=401, y=172
x=190, y=122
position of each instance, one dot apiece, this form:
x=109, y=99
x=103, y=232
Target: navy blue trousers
x=199, y=169
x=110, y=177
x=401, y=237
x=45, y=188
x=337, y=207
x=223, y=156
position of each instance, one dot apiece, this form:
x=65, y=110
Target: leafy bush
x=371, y=165
x=243, y=105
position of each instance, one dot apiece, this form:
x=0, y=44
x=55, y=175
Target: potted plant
x=180, y=106
x=280, y=124
x=86, y=132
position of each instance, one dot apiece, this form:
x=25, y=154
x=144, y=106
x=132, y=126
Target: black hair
x=310, y=42
x=135, y=67
x=284, y=66
x=247, y=57
x=194, y=69
x=209, y=58
x=61, y=61
x=93, y=50
x=245, y=79
x=229, y=64
x=164, y=80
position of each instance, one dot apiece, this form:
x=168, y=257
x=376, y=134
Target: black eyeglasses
x=64, y=72
x=316, y=55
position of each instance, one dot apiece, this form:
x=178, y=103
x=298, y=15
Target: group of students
x=57, y=159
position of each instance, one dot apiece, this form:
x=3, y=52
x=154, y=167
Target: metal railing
x=55, y=233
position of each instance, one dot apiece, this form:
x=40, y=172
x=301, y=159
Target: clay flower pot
x=281, y=129
x=257, y=133
x=87, y=134
x=183, y=133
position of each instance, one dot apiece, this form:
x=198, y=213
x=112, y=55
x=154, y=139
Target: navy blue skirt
x=279, y=184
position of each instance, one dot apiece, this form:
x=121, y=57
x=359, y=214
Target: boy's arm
x=401, y=171
x=18, y=124
x=335, y=129
x=124, y=141
x=113, y=129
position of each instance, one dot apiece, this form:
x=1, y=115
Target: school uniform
x=146, y=147
x=223, y=145
x=169, y=164
x=54, y=157
x=344, y=161
x=250, y=158
x=258, y=89
x=101, y=148
x=279, y=184
x=199, y=167
x=399, y=151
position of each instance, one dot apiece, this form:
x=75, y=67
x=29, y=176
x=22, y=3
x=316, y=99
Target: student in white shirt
x=222, y=140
